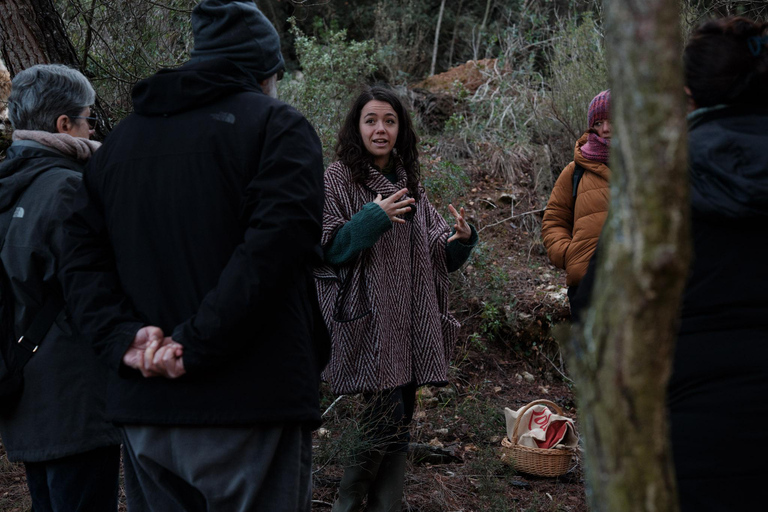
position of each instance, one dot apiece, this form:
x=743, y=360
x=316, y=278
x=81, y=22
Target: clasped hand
x=155, y=355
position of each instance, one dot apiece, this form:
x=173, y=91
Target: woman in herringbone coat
x=384, y=289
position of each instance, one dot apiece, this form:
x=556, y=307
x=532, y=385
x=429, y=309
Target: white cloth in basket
x=541, y=428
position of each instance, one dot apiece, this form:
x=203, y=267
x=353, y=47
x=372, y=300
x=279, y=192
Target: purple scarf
x=596, y=148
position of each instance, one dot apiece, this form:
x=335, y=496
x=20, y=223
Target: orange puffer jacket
x=571, y=228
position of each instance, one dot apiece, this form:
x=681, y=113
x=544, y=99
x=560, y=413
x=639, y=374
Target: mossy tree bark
x=621, y=357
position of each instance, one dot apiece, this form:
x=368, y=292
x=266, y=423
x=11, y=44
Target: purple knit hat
x=599, y=108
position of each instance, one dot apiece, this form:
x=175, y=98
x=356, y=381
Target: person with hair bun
x=719, y=381
x=384, y=289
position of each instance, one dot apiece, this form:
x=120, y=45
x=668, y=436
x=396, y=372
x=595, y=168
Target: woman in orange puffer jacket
x=578, y=204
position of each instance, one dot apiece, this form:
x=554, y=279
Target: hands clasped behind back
x=395, y=205
x=155, y=355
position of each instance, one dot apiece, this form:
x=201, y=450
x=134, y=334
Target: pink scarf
x=79, y=148
x=596, y=149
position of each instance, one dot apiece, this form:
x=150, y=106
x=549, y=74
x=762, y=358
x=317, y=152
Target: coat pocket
x=351, y=333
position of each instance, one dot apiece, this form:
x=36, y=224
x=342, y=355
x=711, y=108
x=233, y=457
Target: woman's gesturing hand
x=395, y=205
x=463, y=231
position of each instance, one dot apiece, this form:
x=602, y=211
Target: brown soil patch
x=471, y=75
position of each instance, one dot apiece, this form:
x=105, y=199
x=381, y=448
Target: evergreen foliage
x=334, y=71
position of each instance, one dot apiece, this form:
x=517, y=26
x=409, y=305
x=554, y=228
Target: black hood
x=728, y=158
x=24, y=162
x=170, y=91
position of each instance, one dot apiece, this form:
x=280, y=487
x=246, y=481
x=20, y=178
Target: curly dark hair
x=351, y=151
x=726, y=62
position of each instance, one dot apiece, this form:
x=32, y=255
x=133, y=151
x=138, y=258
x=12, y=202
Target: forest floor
x=507, y=297
x=463, y=423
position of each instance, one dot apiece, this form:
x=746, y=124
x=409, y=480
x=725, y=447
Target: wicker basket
x=536, y=461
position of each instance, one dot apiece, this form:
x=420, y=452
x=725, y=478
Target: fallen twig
x=556, y=368
x=511, y=218
x=332, y=405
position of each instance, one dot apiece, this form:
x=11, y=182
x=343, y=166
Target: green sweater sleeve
x=360, y=232
x=458, y=252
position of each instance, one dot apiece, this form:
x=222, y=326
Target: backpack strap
x=578, y=172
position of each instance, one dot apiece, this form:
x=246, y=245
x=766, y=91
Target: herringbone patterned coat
x=386, y=310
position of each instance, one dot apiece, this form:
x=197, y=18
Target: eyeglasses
x=92, y=121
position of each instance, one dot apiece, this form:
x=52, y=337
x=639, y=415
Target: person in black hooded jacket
x=58, y=426
x=719, y=381
x=720, y=372
x=190, y=257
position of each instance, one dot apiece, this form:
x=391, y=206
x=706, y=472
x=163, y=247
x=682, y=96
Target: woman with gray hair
x=56, y=423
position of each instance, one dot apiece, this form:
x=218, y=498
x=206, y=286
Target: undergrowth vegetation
x=334, y=70
x=495, y=134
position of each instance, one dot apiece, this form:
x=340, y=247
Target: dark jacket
x=720, y=372
x=728, y=159
x=201, y=214
x=61, y=411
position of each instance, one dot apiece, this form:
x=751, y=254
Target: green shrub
x=575, y=72
x=492, y=123
x=334, y=71
x=403, y=30
x=445, y=181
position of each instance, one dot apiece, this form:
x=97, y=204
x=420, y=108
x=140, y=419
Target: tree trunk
x=621, y=358
x=88, y=33
x=31, y=32
x=485, y=17
x=437, y=38
x=455, y=31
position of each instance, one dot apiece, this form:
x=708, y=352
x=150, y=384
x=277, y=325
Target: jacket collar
x=704, y=115
x=25, y=160
x=379, y=184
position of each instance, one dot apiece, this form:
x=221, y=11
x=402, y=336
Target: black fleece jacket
x=201, y=214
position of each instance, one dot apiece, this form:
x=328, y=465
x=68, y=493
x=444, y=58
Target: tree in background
x=120, y=42
x=621, y=359
x=31, y=32
x=334, y=72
